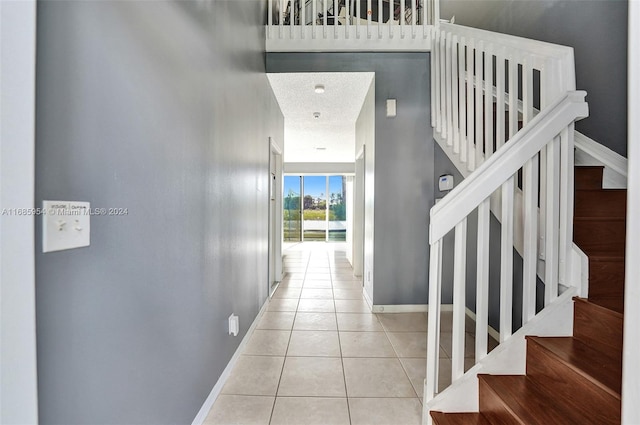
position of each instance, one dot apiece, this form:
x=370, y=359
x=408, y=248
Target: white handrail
x=465, y=197
x=548, y=136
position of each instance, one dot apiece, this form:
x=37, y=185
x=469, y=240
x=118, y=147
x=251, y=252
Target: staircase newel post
x=566, y=203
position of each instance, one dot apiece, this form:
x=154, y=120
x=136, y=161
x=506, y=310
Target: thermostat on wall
x=445, y=182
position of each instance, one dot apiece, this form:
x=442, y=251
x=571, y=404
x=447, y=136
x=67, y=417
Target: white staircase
x=503, y=109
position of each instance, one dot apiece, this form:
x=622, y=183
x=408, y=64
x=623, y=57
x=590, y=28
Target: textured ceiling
x=339, y=107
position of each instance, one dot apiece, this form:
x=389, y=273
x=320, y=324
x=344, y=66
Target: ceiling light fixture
x=316, y=115
x=319, y=88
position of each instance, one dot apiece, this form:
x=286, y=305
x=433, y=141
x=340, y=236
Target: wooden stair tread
x=604, y=310
x=607, y=257
x=601, y=368
x=441, y=418
x=530, y=403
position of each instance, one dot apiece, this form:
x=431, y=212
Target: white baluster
x=453, y=112
x=402, y=19
x=478, y=102
x=269, y=18
x=335, y=19
x=527, y=90
x=482, y=286
x=413, y=18
x=438, y=88
x=566, y=203
x=380, y=19
x=314, y=18
x=358, y=17
x=433, y=334
x=369, y=15
x=325, y=12
x=347, y=27
x=281, y=19
x=552, y=221
x=500, y=91
x=513, y=96
x=462, y=100
x=303, y=19
x=459, y=279
x=488, y=102
x=448, y=128
x=506, y=260
x=530, y=242
x=471, y=153
x=434, y=83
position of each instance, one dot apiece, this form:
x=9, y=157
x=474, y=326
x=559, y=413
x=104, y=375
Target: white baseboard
x=494, y=333
x=407, y=308
x=217, y=388
x=367, y=299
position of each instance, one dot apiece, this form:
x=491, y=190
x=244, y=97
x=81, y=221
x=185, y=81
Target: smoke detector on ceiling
x=316, y=115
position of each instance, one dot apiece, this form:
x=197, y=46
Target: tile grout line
x=284, y=361
x=344, y=375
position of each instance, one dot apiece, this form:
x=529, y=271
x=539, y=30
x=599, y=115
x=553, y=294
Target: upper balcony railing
x=350, y=25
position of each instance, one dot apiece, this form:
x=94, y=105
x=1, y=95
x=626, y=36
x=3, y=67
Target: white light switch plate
x=65, y=225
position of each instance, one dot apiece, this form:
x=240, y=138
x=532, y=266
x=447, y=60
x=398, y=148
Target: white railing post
x=448, y=83
x=552, y=222
x=401, y=18
x=437, y=91
x=314, y=18
x=488, y=102
x=478, y=103
x=369, y=17
x=280, y=18
x=453, y=113
x=500, y=98
x=566, y=204
x=471, y=136
x=433, y=334
x=506, y=259
x=459, y=304
x=335, y=18
x=482, y=276
x=380, y=18
x=530, y=243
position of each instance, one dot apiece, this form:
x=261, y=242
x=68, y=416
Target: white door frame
x=275, y=216
x=18, y=373
x=358, y=215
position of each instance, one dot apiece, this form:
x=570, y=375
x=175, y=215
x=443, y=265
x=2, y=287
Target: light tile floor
x=319, y=356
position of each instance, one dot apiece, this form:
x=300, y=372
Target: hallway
x=319, y=356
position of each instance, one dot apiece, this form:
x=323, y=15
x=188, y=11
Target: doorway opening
x=315, y=208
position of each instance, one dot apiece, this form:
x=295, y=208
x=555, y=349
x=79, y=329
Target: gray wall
x=596, y=29
x=162, y=108
x=403, y=164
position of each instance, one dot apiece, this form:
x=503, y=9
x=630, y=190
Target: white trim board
x=18, y=365
x=217, y=388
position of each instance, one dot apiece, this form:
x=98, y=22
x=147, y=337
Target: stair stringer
x=508, y=358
